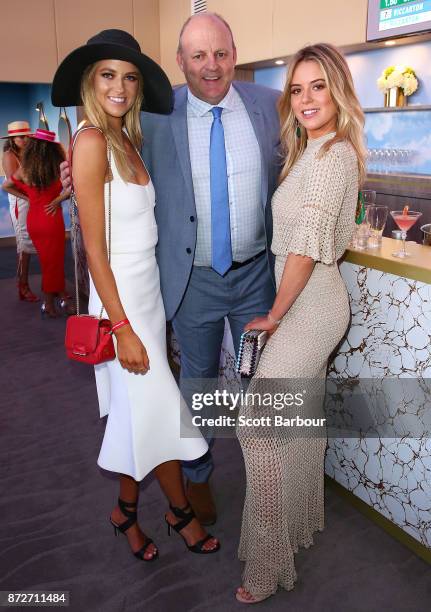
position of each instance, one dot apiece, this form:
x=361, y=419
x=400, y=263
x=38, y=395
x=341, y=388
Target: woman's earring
x=298, y=129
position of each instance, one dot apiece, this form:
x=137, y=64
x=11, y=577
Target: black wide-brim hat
x=119, y=45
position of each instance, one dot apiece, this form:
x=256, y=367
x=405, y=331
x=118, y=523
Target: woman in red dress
x=38, y=181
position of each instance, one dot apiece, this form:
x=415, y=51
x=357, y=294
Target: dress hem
x=138, y=479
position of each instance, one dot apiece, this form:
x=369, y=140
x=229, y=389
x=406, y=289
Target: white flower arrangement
x=398, y=76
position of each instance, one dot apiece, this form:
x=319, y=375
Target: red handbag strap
x=74, y=209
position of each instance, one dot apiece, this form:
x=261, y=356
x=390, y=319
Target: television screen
x=393, y=18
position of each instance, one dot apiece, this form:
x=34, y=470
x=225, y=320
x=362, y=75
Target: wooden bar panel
x=77, y=21
x=146, y=21
x=296, y=24
x=172, y=17
x=28, y=41
x=251, y=23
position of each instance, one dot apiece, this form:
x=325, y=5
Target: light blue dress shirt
x=243, y=160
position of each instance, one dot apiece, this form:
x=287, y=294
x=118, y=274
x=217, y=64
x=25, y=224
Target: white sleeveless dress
x=146, y=422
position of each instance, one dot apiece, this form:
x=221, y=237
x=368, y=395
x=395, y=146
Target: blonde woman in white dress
x=137, y=391
x=313, y=213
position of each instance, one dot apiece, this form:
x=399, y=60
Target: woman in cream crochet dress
x=314, y=215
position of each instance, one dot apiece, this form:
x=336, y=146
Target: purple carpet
x=55, y=503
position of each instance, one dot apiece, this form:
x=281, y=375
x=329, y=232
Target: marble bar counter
x=380, y=381
x=416, y=267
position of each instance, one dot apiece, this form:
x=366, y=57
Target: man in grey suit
x=208, y=272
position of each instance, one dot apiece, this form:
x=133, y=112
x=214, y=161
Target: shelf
x=397, y=109
x=407, y=185
x=398, y=176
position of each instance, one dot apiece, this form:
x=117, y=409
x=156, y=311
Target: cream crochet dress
x=313, y=212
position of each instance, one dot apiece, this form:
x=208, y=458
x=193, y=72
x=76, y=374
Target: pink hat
x=43, y=135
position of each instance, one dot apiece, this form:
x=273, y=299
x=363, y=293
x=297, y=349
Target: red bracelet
x=120, y=324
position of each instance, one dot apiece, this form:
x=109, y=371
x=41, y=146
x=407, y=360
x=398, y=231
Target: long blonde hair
x=97, y=117
x=350, y=118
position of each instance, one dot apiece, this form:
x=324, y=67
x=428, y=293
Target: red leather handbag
x=89, y=338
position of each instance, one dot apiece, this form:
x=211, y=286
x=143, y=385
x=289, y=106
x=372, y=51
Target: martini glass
x=404, y=222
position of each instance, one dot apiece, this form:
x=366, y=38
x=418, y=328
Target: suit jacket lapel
x=178, y=121
x=256, y=117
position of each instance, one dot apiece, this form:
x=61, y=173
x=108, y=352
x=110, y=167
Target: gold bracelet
x=272, y=320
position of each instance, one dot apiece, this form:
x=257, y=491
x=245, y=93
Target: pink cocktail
x=405, y=220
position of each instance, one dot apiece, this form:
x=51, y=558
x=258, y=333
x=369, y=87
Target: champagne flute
x=405, y=219
x=377, y=216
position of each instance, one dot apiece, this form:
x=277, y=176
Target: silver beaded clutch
x=250, y=350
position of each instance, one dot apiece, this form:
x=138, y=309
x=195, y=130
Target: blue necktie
x=220, y=221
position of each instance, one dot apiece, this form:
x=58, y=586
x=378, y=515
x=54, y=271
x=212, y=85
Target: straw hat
x=119, y=45
x=18, y=128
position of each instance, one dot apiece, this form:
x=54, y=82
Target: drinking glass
x=372, y=160
x=426, y=229
x=369, y=196
x=362, y=231
x=404, y=222
x=376, y=216
x=360, y=236
x=395, y=159
x=389, y=161
x=380, y=160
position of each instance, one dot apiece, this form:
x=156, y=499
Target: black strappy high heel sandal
x=131, y=520
x=187, y=517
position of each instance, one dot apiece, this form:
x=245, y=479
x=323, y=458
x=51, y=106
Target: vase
x=395, y=97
